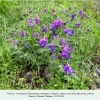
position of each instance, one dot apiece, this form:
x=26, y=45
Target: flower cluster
x=78, y=24
x=82, y=14
x=73, y=16
x=63, y=50
x=37, y=20
x=52, y=47
x=23, y=34
x=56, y=24
x=43, y=42
x=31, y=22
x=67, y=69
x=66, y=53
x=69, y=31
x=36, y=35
x=64, y=42
x=45, y=10
x=45, y=29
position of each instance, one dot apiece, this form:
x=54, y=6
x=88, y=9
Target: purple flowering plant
x=50, y=39
x=43, y=42
x=23, y=34
x=68, y=69
x=45, y=29
x=31, y=22
x=64, y=43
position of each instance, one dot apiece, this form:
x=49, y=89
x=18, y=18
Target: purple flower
x=23, y=34
x=52, y=47
x=37, y=20
x=68, y=49
x=26, y=46
x=83, y=16
x=69, y=32
x=72, y=31
x=67, y=52
x=78, y=24
x=52, y=28
x=43, y=42
x=73, y=16
x=98, y=70
x=56, y=24
x=67, y=11
x=45, y=10
x=64, y=42
x=80, y=12
x=67, y=69
x=31, y=22
x=36, y=35
x=45, y=29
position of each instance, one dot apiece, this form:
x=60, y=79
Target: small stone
x=29, y=76
x=47, y=73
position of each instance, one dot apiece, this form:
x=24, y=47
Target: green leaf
x=66, y=4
